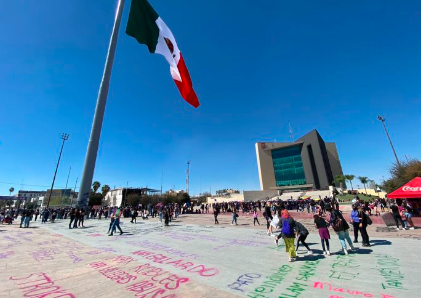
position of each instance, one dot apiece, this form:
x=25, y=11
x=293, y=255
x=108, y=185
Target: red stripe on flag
x=186, y=86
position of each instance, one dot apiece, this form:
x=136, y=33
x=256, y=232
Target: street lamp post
x=381, y=118
x=65, y=189
x=64, y=137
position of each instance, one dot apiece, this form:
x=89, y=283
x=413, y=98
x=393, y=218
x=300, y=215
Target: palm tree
x=96, y=185
x=340, y=179
x=11, y=190
x=105, y=189
x=364, y=180
x=350, y=178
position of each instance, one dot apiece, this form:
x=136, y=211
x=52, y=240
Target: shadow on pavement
x=380, y=242
x=362, y=251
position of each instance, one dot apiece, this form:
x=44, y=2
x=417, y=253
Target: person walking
x=81, y=218
x=28, y=217
x=363, y=226
x=22, y=217
x=268, y=216
x=234, y=216
x=36, y=214
x=215, y=214
x=53, y=216
x=301, y=234
x=111, y=222
x=255, y=215
x=72, y=217
x=323, y=228
x=409, y=212
x=396, y=216
x=166, y=217
x=45, y=216
x=287, y=233
x=77, y=218
x=355, y=220
x=116, y=223
x=341, y=227
x=134, y=215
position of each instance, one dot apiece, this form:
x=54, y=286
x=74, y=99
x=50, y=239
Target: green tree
x=350, y=178
x=105, y=189
x=133, y=200
x=96, y=185
x=12, y=189
x=364, y=180
x=184, y=198
x=402, y=174
x=340, y=179
x=95, y=199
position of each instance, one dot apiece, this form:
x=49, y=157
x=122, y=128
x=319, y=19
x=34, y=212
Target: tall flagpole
x=91, y=153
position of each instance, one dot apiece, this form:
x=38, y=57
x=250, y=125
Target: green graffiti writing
x=271, y=282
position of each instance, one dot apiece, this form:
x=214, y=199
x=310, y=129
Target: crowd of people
x=77, y=216
x=325, y=214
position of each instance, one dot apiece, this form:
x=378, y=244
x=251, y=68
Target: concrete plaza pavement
x=194, y=258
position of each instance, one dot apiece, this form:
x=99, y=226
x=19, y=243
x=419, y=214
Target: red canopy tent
x=411, y=190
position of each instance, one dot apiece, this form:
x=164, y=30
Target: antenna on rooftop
x=291, y=132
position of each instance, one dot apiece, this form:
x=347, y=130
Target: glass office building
x=308, y=163
x=288, y=166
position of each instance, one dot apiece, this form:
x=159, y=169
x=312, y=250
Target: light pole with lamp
x=381, y=118
x=64, y=137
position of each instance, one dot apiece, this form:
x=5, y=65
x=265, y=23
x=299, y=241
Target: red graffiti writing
x=39, y=285
x=113, y=273
x=329, y=287
x=201, y=270
x=154, y=283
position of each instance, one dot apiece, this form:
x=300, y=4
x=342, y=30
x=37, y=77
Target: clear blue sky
x=256, y=65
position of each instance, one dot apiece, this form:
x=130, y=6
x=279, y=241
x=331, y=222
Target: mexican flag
x=148, y=28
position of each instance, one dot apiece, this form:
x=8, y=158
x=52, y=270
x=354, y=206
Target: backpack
x=286, y=228
x=338, y=225
x=369, y=221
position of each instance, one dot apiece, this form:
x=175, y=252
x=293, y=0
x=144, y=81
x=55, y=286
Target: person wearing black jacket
x=363, y=226
x=396, y=216
x=134, y=215
x=341, y=228
x=216, y=213
x=72, y=217
x=268, y=215
x=302, y=234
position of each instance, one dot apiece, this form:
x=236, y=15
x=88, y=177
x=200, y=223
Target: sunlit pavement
x=194, y=258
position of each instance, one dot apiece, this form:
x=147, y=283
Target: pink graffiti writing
x=5, y=255
x=39, y=285
x=113, y=273
x=201, y=270
x=167, y=279
x=45, y=254
x=122, y=260
x=329, y=287
x=152, y=282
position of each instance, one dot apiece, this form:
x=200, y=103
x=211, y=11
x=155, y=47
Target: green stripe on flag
x=141, y=24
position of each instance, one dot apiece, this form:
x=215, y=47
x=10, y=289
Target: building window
x=288, y=166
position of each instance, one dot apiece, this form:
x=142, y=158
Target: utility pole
x=68, y=175
x=380, y=118
x=188, y=177
x=64, y=137
x=74, y=191
x=162, y=179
